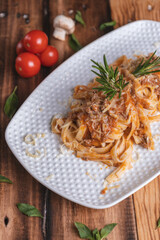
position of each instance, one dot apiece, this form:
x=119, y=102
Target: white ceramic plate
x=64, y=173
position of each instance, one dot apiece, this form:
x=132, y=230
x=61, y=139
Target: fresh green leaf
x=4, y=179
x=74, y=43
x=84, y=231
x=151, y=65
x=78, y=18
x=107, y=24
x=94, y=232
x=107, y=229
x=29, y=210
x=98, y=237
x=158, y=223
x=109, y=79
x=11, y=104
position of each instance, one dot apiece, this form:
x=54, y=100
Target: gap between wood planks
x=45, y=210
x=135, y=218
x=46, y=29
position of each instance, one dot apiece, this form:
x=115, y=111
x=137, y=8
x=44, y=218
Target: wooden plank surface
x=13, y=224
x=147, y=208
x=136, y=216
x=147, y=200
x=124, y=12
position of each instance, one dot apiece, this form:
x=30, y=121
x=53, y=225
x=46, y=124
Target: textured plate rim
x=44, y=183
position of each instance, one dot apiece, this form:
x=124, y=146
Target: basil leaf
x=78, y=18
x=107, y=24
x=11, y=104
x=29, y=210
x=74, y=43
x=98, y=237
x=4, y=179
x=84, y=231
x=158, y=223
x=107, y=229
x=94, y=232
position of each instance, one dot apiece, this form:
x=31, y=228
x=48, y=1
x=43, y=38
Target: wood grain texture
x=147, y=208
x=13, y=224
x=92, y=16
x=62, y=214
x=136, y=216
x=146, y=200
x=124, y=12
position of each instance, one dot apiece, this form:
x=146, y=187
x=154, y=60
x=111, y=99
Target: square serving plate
x=77, y=180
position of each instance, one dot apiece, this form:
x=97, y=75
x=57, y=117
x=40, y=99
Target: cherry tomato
x=20, y=47
x=49, y=56
x=35, y=41
x=27, y=64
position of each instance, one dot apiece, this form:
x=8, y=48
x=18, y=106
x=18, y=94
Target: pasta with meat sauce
x=103, y=130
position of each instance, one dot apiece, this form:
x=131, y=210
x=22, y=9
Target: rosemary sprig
x=148, y=66
x=109, y=79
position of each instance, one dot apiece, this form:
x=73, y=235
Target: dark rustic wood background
x=137, y=215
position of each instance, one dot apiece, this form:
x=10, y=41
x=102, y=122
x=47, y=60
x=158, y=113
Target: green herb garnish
x=148, y=66
x=96, y=234
x=4, y=179
x=107, y=24
x=109, y=79
x=11, y=104
x=29, y=210
x=74, y=43
x=86, y=233
x=158, y=223
x=78, y=18
x=107, y=229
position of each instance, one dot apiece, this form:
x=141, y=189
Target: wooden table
x=137, y=215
